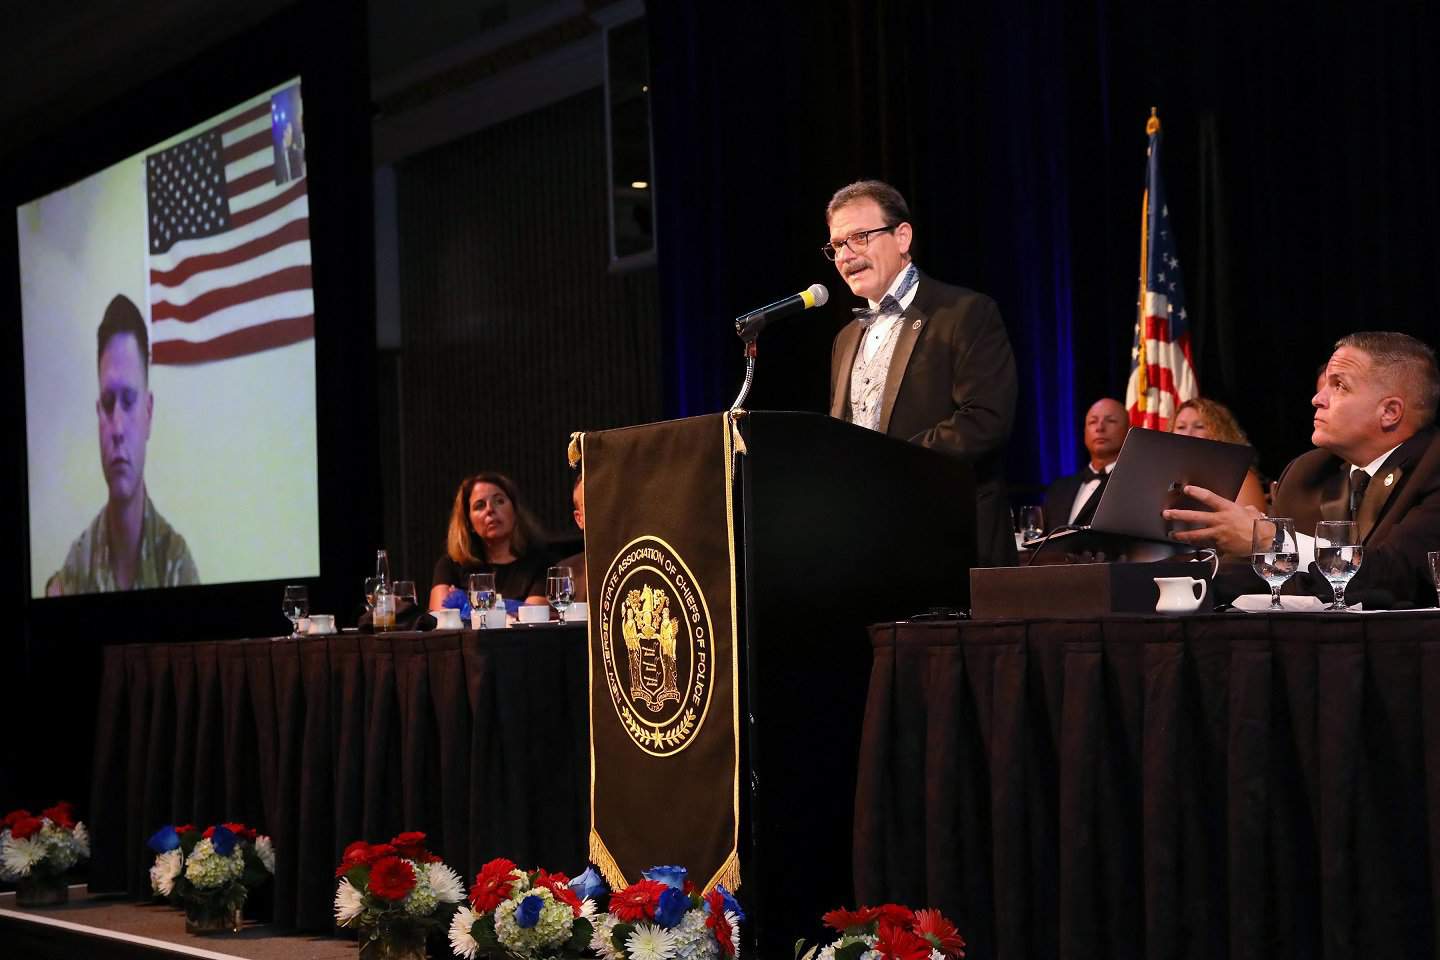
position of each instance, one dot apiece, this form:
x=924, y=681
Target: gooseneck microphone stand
x=747, y=328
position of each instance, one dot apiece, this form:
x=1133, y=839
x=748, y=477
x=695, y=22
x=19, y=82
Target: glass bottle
x=383, y=615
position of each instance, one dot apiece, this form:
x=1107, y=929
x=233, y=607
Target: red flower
x=843, y=920
x=392, y=879
x=410, y=845
x=932, y=925
x=896, y=915
x=354, y=856
x=557, y=884
x=185, y=828
x=62, y=815
x=241, y=831
x=378, y=852
x=13, y=817
x=894, y=942
x=638, y=901
x=492, y=885
x=716, y=921
x=26, y=827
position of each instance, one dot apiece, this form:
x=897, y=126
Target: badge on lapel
x=917, y=324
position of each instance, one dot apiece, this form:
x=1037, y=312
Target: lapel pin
x=1389, y=479
x=917, y=324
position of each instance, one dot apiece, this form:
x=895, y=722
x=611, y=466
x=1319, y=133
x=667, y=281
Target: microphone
x=749, y=325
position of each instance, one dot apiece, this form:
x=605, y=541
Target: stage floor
x=108, y=927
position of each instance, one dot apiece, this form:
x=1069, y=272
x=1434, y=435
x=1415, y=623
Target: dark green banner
x=664, y=738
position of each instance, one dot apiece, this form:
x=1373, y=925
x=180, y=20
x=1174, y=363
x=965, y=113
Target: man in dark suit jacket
x=1378, y=463
x=929, y=363
x=1106, y=424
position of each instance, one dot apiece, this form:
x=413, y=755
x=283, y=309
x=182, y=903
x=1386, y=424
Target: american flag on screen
x=229, y=253
x=1162, y=372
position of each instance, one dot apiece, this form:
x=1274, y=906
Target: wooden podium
x=834, y=528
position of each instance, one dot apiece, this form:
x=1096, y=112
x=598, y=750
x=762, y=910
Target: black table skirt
x=1228, y=786
x=479, y=739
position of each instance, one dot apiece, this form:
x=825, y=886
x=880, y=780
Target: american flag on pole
x=1162, y=371
x=229, y=241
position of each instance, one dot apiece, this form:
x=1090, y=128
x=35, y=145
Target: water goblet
x=404, y=590
x=482, y=591
x=1032, y=523
x=296, y=607
x=1338, y=554
x=370, y=584
x=1274, y=553
x=560, y=589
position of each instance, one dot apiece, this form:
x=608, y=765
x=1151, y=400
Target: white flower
x=167, y=867
x=649, y=942
x=600, y=938
x=420, y=901
x=208, y=870
x=17, y=857
x=348, y=902
x=936, y=954
x=82, y=839
x=265, y=850
x=461, y=938
x=446, y=883
x=587, y=909
x=694, y=940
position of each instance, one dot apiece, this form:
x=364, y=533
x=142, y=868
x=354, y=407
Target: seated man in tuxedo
x=927, y=362
x=1073, y=499
x=1378, y=463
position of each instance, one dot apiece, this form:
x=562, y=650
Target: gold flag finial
x=1152, y=126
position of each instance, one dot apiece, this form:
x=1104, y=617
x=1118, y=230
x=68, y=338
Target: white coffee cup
x=534, y=613
x=1177, y=594
x=488, y=619
x=320, y=624
x=579, y=612
x=447, y=618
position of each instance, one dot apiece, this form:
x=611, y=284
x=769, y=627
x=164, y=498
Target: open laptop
x=1149, y=476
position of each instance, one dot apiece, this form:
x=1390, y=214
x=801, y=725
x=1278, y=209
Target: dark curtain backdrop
x=1301, y=163
x=515, y=332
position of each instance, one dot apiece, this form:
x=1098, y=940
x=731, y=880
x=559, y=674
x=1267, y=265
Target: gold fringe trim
x=728, y=874
x=609, y=869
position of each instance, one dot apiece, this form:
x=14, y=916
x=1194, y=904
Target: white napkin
x=1260, y=602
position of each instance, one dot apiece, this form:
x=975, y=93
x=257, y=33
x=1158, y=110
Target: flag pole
x=1142, y=382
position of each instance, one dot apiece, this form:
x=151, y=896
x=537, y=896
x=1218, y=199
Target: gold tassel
x=728, y=874
x=609, y=869
x=573, y=452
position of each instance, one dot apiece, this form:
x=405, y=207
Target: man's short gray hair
x=892, y=204
x=1406, y=364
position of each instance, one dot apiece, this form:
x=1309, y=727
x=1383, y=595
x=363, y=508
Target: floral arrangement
x=663, y=917
x=515, y=914
x=889, y=932
x=395, y=892
x=211, y=872
x=40, y=849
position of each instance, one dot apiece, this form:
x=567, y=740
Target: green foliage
x=580, y=935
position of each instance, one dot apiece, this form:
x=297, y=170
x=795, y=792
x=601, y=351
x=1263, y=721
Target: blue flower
x=670, y=876
x=164, y=840
x=671, y=908
x=456, y=599
x=589, y=885
x=731, y=904
x=223, y=840
x=528, y=913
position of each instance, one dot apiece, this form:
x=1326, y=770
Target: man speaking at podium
x=927, y=362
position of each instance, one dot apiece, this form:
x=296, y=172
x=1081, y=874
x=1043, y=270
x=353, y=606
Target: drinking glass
x=1274, y=553
x=560, y=589
x=370, y=584
x=1032, y=523
x=404, y=590
x=1338, y=554
x=482, y=591
x=296, y=606
x=1434, y=557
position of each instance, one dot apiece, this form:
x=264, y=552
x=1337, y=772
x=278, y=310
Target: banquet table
x=1244, y=785
x=480, y=739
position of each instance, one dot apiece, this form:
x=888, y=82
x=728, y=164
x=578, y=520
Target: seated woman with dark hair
x=1202, y=417
x=491, y=532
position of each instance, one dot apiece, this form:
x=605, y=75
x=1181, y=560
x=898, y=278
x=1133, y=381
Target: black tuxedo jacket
x=1060, y=497
x=951, y=387
x=1399, y=516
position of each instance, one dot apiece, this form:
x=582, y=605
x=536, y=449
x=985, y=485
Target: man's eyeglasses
x=857, y=242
